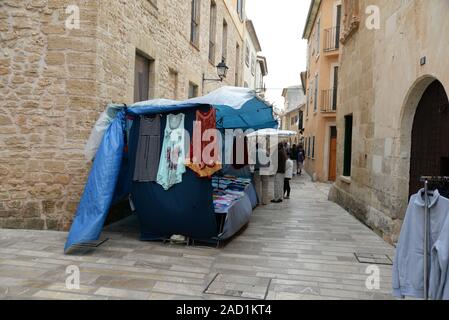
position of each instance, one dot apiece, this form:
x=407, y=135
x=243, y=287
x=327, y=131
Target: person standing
x=261, y=175
x=280, y=174
x=294, y=158
x=288, y=176
x=301, y=158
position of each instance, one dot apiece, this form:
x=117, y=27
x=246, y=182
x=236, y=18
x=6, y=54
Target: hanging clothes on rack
x=171, y=166
x=412, y=275
x=240, y=152
x=205, y=156
x=148, y=149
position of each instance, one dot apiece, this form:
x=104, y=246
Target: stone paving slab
x=302, y=249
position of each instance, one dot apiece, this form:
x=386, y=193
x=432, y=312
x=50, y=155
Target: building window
x=212, y=31
x=308, y=147
x=143, y=80
x=348, y=146
x=195, y=23
x=315, y=95
x=294, y=121
x=237, y=64
x=307, y=102
x=335, y=88
x=337, y=26
x=313, y=147
x=225, y=41
x=317, y=36
x=240, y=7
x=305, y=147
x=308, y=59
x=193, y=90
x=300, y=120
x=247, y=56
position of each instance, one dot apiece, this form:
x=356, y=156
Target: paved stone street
x=302, y=249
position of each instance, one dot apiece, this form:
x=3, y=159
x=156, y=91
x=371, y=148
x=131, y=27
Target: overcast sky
x=279, y=25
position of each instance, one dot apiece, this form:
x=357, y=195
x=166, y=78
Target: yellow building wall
x=316, y=123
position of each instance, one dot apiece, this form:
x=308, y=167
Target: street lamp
x=222, y=71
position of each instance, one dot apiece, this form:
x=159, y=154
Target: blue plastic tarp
x=100, y=187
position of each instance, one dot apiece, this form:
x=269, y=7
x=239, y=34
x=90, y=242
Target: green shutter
x=348, y=146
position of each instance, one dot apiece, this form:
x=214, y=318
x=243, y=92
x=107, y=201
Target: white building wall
x=250, y=63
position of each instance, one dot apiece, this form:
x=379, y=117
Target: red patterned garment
x=205, y=156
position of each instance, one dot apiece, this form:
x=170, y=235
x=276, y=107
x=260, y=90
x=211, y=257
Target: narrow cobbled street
x=304, y=248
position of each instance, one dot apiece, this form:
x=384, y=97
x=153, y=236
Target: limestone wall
x=54, y=82
x=48, y=105
x=381, y=82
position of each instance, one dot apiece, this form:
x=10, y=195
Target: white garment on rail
x=408, y=268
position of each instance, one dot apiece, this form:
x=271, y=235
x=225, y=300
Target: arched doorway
x=430, y=136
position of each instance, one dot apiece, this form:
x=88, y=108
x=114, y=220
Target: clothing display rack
x=426, y=180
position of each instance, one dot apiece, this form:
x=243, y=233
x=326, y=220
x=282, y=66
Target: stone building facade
x=393, y=111
x=261, y=73
x=293, y=113
x=55, y=80
x=252, y=48
x=322, y=32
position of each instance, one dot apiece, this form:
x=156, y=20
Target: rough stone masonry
x=54, y=82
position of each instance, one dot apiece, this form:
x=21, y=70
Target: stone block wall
x=381, y=82
x=48, y=105
x=54, y=82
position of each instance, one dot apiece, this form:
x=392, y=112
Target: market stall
x=133, y=149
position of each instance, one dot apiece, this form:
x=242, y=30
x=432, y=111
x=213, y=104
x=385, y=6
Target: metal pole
x=426, y=239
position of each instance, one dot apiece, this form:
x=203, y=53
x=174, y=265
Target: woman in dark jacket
x=280, y=174
x=301, y=159
x=294, y=157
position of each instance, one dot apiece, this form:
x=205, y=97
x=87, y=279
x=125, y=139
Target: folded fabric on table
x=228, y=190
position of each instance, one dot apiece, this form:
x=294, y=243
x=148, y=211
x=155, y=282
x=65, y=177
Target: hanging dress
x=205, y=156
x=240, y=152
x=148, y=149
x=171, y=165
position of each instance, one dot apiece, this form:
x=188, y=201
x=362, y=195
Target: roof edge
x=311, y=16
x=253, y=34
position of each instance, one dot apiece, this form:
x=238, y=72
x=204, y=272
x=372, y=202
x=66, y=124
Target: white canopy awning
x=273, y=132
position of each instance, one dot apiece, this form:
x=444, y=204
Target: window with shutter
x=142, y=75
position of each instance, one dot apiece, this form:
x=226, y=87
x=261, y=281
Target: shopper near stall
x=301, y=159
x=288, y=176
x=294, y=157
x=280, y=174
x=261, y=175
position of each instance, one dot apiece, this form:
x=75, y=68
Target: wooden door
x=333, y=155
x=430, y=143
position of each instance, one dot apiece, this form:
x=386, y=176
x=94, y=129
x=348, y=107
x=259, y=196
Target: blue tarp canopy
x=237, y=108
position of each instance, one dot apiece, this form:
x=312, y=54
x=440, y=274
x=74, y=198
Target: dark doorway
x=333, y=154
x=430, y=136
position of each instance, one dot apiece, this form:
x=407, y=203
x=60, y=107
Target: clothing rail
x=434, y=179
x=427, y=180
